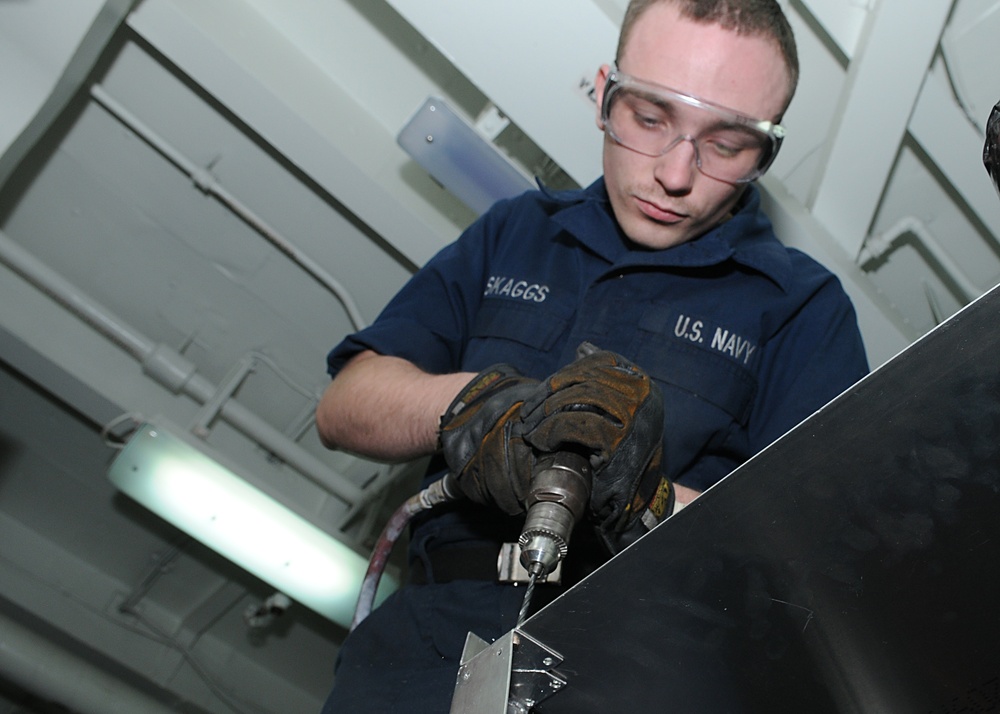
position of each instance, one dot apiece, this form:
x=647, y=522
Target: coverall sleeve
x=427, y=322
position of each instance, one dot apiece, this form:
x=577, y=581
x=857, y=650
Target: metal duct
x=48, y=671
x=170, y=368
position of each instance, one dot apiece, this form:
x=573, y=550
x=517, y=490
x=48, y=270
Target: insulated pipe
x=38, y=666
x=204, y=180
x=878, y=245
x=171, y=369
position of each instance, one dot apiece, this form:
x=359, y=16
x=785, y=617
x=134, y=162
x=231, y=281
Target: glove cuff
x=660, y=507
x=484, y=382
x=473, y=413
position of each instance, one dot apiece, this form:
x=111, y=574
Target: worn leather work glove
x=481, y=438
x=606, y=408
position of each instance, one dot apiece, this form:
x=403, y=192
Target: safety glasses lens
x=728, y=147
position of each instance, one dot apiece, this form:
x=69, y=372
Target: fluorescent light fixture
x=173, y=475
x=461, y=159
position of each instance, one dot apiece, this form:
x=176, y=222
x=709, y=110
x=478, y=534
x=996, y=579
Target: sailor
x=713, y=339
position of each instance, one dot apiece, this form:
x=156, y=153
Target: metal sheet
x=851, y=566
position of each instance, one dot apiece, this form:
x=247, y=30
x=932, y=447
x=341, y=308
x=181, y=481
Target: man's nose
x=675, y=170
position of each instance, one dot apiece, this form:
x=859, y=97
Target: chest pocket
x=507, y=331
x=700, y=372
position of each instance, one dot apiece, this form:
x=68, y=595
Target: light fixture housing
x=459, y=158
x=176, y=476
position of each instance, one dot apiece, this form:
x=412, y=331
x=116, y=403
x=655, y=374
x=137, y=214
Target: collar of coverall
x=745, y=238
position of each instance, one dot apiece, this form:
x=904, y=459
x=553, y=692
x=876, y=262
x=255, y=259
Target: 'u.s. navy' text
x=723, y=340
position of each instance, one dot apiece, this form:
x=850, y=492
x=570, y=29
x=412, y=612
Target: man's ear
x=599, y=82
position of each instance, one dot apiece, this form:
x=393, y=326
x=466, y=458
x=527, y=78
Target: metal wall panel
x=536, y=61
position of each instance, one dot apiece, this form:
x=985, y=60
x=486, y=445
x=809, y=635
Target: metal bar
x=882, y=86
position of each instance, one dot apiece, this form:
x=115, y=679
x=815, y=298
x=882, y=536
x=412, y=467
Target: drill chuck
x=557, y=499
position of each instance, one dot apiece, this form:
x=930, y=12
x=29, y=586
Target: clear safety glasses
x=652, y=120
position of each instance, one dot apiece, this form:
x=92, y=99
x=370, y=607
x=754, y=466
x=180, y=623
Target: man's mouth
x=658, y=213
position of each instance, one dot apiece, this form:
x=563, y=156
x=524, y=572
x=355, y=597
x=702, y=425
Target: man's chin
x=656, y=236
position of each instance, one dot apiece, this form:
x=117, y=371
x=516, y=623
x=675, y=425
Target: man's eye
x=721, y=149
x=644, y=114
x=647, y=121
x=730, y=145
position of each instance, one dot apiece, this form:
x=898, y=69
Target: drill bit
x=528, y=592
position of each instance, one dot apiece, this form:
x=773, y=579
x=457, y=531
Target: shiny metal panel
x=853, y=566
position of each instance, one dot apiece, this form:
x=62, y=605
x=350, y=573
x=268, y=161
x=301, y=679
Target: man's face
x=665, y=201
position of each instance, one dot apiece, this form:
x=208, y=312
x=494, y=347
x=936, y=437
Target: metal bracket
x=532, y=677
x=510, y=676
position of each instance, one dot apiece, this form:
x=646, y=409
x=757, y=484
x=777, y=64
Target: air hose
x=441, y=491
